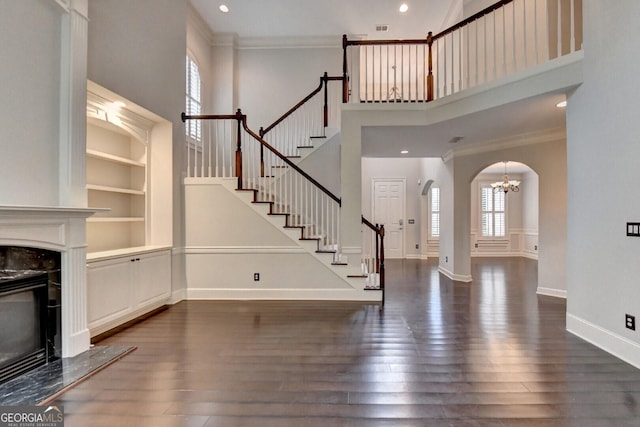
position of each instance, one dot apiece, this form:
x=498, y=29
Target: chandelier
x=506, y=184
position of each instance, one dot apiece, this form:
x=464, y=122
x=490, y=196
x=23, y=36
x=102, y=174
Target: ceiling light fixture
x=506, y=184
x=224, y=8
x=403, y=8
x=404, y=152
x=561, y=104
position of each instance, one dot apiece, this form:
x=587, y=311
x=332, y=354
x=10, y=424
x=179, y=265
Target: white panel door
x=388, y=209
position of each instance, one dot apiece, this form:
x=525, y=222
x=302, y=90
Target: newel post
x=262, y=133
x=239, y=118
x=382, y=258
x=345, y=80
x=325, y=108
x=430, y=70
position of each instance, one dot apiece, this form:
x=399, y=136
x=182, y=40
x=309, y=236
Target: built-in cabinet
x=129, y=163
x=123, y=288
x=116, y=180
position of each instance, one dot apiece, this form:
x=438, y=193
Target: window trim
x=190, y=139
x=487, y=184
x=431, y=212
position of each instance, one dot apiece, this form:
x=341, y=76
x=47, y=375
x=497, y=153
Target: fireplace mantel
x=61, y=229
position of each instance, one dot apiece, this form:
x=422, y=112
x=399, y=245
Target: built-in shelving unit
x=129, y=163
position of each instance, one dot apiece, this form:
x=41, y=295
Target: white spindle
x=494, y=70
x=559, y=29
x=504, y=40
x=444, y=65
x=485, y=48
x=535, y=33
x=524, y=33
x=573, y=26
x=513, y=25
x=209, y=144
x=477, y=68
x=460, y=48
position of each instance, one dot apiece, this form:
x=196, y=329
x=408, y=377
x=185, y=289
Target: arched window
x=193, y=105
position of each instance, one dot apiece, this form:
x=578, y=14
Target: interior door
x=388, y=209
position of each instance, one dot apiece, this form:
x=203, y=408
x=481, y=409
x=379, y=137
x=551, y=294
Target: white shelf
x=115, y=159
x=115, y=219
x=115, y=189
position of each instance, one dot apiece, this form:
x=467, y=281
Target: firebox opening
x=30, y=309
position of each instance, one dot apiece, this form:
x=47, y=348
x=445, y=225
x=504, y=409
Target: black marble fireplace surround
x=30, y=309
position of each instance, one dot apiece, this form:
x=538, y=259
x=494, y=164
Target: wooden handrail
x=474, y=17
x=379, y=230
x=323, y=81
x=290, y=163
x=242, y=118
x=426, y=41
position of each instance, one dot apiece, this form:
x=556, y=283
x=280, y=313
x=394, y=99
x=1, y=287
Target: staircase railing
x=229, y=149
x=373, y=255
x=506, y=37
x=307, y=119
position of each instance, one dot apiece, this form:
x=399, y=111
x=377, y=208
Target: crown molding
x=195, y=20
x=224, y=40
x=290, y=42
x=549, y=135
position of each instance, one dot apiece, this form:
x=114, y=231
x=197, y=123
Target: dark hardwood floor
x=488, y=353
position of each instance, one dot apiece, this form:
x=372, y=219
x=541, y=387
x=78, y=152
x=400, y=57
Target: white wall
x=137, y=49
x=272, y=80
x=603, y=153
x=228, y=240
x=30, y=111
x=548, y=159
x=410, y=169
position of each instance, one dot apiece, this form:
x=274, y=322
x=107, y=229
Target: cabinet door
x=108, y=290
x=152, y=278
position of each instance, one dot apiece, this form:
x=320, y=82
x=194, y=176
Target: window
x=435, y=212
x=193, y=105
x=493, y=212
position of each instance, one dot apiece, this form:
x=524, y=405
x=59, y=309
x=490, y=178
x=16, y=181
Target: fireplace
x=30, y=309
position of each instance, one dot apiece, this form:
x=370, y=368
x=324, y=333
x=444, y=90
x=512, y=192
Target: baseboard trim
x=416, y=256
x=455, y=277
x=284, y=294
x=617, y=345
x=550, y=292
x=177, y=296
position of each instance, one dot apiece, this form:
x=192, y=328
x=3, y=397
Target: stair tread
x=357, y=276
x=305, y=146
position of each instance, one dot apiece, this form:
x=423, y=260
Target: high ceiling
x=298, y=19
x=305, y=18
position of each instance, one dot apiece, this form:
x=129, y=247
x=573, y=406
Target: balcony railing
x=501, y=40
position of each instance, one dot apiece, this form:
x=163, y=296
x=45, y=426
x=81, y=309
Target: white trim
x=466, y=278
x=284, y=294
x=404, y=206
x=550, y=292
x=177, y=296
x=416, y=256
x=538, y=137
x=198, y=23
x=244, y=250
x=334, y=42
x=619, y=346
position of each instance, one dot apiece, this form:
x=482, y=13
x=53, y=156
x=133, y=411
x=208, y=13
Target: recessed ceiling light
x=561, y=104
x=404, y=152
x=403, y=8
x=224, y=8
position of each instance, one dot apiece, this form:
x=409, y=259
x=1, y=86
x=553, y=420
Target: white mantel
x=61, y=229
